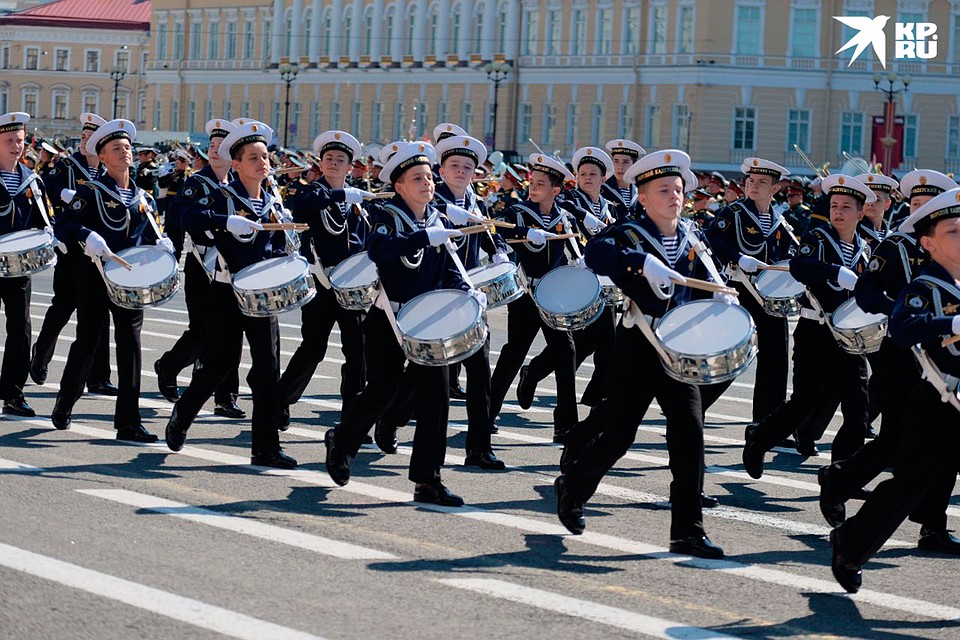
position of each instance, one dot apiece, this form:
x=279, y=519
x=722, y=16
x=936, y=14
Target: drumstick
x=504, y=225
x=775, y=267
x=949, y=341
x=480, y=228
x=120, y=261
x=562, y=236
x=706, y=285
x=383, y=195
x=285, y=226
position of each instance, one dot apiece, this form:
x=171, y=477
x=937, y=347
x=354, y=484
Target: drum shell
x=276, y=298
x=137, y=297
x=448, y=350
x=779, y=306
x=858, y=340
x=26, y=262
x=575, y=319
x=501, y=289
x=355, y=298
x=611, y=293
x=711, y=368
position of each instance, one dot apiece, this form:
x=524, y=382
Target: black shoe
x=590, y=400
x=367, y=439
x=60, y=419
x=708, y=502
x=38, y=372
x=277, y=459
x=283, y=419
x=18, y=407
x=484, y=460
x=861, y=494
x=135, y=433
x=832, y=507
x=847, y=574
x=560, y=435
x=697, y=546
x=806, y=447
x=103, y=389
x=494, y=429
x=569, y=511
x=938, y=540
x=457, y=392
x=338, y=466
x=386, y=437
x=436, y=493
x=752, y=454
x=166, y=383
x=176, y=432
x=525, y=388
x=230, y=410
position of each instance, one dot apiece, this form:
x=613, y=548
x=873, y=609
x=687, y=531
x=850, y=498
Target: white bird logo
x=870, y=32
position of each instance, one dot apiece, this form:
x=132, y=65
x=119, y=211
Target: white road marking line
x=246, y=526
x=576, y=608
x=18, y=467
x=179, y=608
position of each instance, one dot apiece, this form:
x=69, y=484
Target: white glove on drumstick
x=846, y=279
x=749, y=264
x=658, y=274
x=436, y=236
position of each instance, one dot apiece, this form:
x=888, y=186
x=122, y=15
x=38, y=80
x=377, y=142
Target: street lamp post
x=888, y=140
x=497, y=72
x=117, y=74
x=288, y=73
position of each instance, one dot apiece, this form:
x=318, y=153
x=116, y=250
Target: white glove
x=460, y=216
x=240, y=226
x=537, y=236
x=355, y=196
x=166, y=244
x=592, y=222
x=500, y=258
x=67, y=195
x=480, y=297
x=847, y=279
x=658, y=274
x=95, y=246
x=725, y=298
x=48, y=231
x=955, y=325
x=580, y=263
x=750, y=264
x=436, y=236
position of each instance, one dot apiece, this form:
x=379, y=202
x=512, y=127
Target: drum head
x=151, y=265
x=271, y=273
x=567, y=289
x=850, y=316
x=23, y=240
x=356, y=271
x=438, y=314
x=778, y=284
x=704, y=327
x=210, y=259
x=490, y=272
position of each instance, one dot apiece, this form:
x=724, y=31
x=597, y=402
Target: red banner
x=877, y=148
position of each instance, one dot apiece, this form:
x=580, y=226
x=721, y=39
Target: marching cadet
x=107, y=215
x=63, y=180
x=925, y=315
x=146, y=177
x=622, y=193
x=233, y=215
x=407, y=245
x=874, y=227
x=645, y=258
x=22, y=195
x=747, y=235
x=200, y=189
x=48, y=159
x=798, y=212
x=829, y=262
x=537, y=219
x=173, y=183
x=338, y=230
x=920, y=186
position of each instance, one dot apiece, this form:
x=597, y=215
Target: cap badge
x=756, y=162
x=840, y=180
x=253, y=128
x=923, y=179
x=666, y=158
x=336, y=136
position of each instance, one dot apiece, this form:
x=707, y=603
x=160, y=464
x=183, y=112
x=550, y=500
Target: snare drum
x=568, y=298
x=707, y=341
x=441, y=327
x=503, y=283
x=780, y=292
x=856, y=330
x=355, y=282
x=612, y=294
x=274, y=286
x=24, y=253
x=152, y=281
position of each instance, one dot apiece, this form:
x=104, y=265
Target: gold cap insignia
x=840, y=180
x=666, y=158
x=89, y=118
x=589, y=152
x=466, y=142
x=449, y=127
x=756, y=162
x=869, y=178
x=421, y=148
x=253, y=128
x=539, y=158
x=336, y=136
x=923, y=179
x=395, y=148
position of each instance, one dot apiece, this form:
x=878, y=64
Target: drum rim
x=566, y=268
x=747, y=341
x=304, y=273
x=459, y=292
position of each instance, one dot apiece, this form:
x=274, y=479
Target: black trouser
x=596, y=339
x=820, y=369
x=385, y=369
x=186, y=350
x=929, y=452
x=15, y=300
x=773, y=339
x=595, y=445
x=523, y=323
x=66, y=293
x=317, y=318
x=226, y=326
x=93, y=311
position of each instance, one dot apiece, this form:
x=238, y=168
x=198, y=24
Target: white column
x=466, y=32
x=420, y=20
x=276, y=35
x=376, y=50
x=296, y=32
x=313, y=32
x=399, y=28
x=443, y=30
x=336, y=31
x=489, y=28
x=355, y=30
x=513, y=25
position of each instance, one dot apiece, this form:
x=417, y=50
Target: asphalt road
x=108, y=540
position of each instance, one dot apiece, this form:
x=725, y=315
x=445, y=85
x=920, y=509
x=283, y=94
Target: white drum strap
x=632, y=317
x=38, y=200
x=946, y=385
x=382, y=302
x=316, y=268
x=825, y=318
x=148, y=212
x=736, y=273
x=703, y=253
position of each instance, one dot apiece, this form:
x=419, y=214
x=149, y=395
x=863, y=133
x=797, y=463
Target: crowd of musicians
x=426, y=214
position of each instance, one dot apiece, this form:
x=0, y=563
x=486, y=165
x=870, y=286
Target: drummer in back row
x=234, y=217
x=21, y=204
x=107, y=215
x=648, y=259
